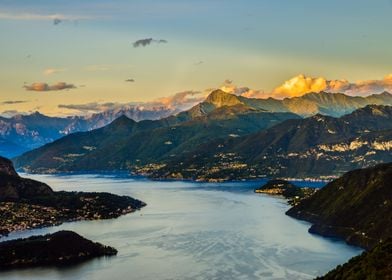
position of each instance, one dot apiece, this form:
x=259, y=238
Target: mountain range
x=126, y=143
x=225, y=137
x=22, y=133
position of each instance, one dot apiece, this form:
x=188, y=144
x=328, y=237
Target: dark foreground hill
x=356, y=207
x=60, y=248
x=374, y=264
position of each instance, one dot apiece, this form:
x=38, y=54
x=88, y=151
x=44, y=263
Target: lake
x=192, y=231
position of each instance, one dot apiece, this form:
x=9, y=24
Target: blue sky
x=256, y=43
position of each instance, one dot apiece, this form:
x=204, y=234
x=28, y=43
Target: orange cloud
x=47, y=87
x=302, y=84
x=181, y=100
x=229, y=87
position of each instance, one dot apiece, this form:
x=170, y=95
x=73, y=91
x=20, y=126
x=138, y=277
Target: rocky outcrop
x=6, y=167
x=15, y=188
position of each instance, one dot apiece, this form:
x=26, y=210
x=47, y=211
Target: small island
x=60, y=248
x=293, y=193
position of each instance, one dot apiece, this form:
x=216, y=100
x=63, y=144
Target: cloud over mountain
x=181, y=100
x=175, y=103
x=230, y=87
x=46, y=87
x=302, y=84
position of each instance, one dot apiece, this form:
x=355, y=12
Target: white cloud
x=51, y=71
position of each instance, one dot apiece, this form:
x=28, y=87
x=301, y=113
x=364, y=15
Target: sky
x=62, y=52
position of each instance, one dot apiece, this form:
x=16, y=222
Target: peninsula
x=27, y=204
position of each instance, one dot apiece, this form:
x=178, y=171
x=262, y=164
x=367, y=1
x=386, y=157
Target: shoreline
x=145, y=176
x=24, y=227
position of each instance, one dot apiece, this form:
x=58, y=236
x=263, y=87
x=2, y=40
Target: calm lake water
x=192, y=231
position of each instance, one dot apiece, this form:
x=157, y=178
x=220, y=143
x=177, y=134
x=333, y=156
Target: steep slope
x=313, y=147
x=15, y=188
x=356, y=207
x=331, y=104
x=6, y=167
x=215, y=100
x=374, y=264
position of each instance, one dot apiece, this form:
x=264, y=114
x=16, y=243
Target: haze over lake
x=192, y=231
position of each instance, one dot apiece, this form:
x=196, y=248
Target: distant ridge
x=228, y=143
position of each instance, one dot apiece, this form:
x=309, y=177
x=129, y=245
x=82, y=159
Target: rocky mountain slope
x=317, y=146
